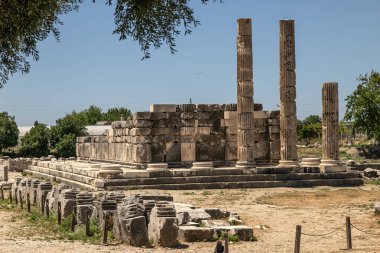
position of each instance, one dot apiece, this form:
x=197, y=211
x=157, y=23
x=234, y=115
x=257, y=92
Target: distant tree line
x=59, y=140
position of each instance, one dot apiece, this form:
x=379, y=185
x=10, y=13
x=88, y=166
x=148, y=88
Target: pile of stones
x=17, y=164
x=208, y=224
x=371, y=173
x=137, y=219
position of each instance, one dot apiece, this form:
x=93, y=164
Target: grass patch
x=309, y=152
x=188, y=193
x=233, y=238
x=375, y=181
x=206, y=193
x=38, y=226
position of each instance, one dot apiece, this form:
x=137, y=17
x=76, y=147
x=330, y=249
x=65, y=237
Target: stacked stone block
x=182, y=134
x=17, y=164
x=163, y=225
x=274, y=135
x=245, y=116
x=288, y=117
x=84, y=206
x=33, y=190
x=42, y=191
x=330, y=129
x=68, y=201
x=130, y=226
x=330, y=122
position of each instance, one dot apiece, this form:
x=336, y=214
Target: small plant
x=188, y=193
x=375, y=181
x=206, y=193
x=233, y=238
x=133, y=187
x=214, y=239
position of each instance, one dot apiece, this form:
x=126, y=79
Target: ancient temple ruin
x=185, y=133
x=189, y=146
x=226, y=134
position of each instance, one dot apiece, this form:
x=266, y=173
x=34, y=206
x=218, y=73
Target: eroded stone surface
x=288, y=112
x=163, y=225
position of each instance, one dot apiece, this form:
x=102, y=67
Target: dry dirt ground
x=319, y=210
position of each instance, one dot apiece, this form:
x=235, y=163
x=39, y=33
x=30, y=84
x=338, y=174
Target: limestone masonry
x=246, y=148
x=181, y=134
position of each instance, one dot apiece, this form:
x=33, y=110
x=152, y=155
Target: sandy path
x=318, y=210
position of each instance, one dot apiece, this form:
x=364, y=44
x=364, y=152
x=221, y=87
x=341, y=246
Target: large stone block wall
x=17, y=164
x=182, y=134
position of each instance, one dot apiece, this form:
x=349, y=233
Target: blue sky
x=336, y=40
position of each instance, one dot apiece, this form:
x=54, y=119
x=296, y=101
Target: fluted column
x=330, y=128
x=245, y=135
x=288, y=110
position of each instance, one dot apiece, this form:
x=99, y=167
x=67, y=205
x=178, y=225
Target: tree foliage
x=8, y=131
x=66, y=146
x=25, y=23
x=310, y=127
x=363, y=106
x=63, y=134
x=36, y=142
x=115, y=114
x=22, y=25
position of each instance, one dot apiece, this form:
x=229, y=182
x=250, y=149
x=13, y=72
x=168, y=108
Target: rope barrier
x=328, y=233
x=366, y=232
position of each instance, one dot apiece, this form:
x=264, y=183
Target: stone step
x=247, y=184
x=228, y=178
x=61, y=180
x=63, y=174
x=182, y=180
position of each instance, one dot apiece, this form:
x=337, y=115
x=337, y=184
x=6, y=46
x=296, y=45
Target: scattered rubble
x=138, y=220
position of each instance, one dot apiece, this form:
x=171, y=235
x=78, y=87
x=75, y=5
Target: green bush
x=66, y=146
x=36, y=142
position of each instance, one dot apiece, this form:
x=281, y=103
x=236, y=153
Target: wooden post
x=2, y=193
x=297, y=247
x=47, y=208
x=74, y=218
x=59, y=215
x=226, y=242
x=21, y=203
x=10, y=196
x=16, y=200
x=348, y=233
x=105, y=228
x=35, y=197
x=43, y=204
x=87, y=221
x=28, y=201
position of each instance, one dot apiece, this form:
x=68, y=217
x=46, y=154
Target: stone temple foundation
x=182, y=134
x=204, y=146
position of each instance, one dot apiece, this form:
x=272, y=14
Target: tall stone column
x=246, y=132
x=330, y=128
x=288, y=111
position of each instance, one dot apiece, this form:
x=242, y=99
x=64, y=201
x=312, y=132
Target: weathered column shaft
x=288, y=113
x=330, y=121
x=246, y=137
